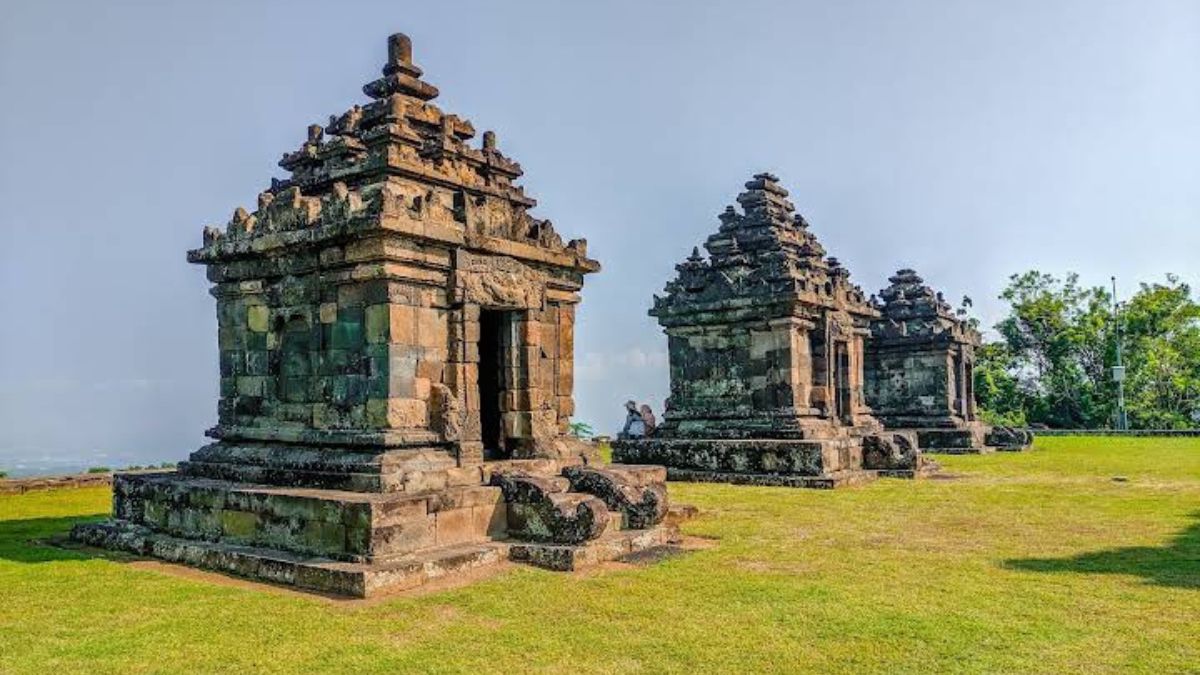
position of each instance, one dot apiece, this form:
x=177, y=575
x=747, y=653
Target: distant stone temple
x=920, y=372
x=766, y=341
x=396, y=338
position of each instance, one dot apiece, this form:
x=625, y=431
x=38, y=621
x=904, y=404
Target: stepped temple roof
x=763, y=255
x=911, y=309
x=338, y=180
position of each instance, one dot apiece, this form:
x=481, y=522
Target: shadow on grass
x=1176, y=565
x=26, y=540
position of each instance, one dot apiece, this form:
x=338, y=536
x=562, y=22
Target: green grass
x=1037, y=562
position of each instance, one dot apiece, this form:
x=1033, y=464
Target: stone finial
x=400, y=74
x=315, y=133
x=767, y=182
x=906, y=276
x=399, y=59
x=399, y=49
x=489, y=140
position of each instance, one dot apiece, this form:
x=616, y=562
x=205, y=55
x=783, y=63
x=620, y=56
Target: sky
x=969, y=140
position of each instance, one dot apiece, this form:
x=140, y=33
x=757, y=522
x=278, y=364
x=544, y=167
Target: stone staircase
x=586, y=516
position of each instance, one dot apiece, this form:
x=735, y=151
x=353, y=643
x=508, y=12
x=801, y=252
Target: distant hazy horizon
x=967, y=140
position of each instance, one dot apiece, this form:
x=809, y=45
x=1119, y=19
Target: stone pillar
x=564, y=364
x=951, y=399
x=800, y=366
x=970, y=393
x=462, y=377
x=858, y=402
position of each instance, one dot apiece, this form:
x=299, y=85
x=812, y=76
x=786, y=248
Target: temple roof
x=763, y=251
x=342, y=171
x=911, y=309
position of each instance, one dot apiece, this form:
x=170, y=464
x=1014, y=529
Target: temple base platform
x=562, y=516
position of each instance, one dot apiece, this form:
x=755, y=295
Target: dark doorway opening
x=842, y=376
x=959, y=402
x=492, y=337
x=822, y=384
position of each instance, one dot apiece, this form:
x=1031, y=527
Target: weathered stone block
x=257, y=318
x=239, y=524
x=327, y=312
x=378, y=318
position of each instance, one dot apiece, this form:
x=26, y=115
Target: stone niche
x=766, y=340
x=396, y=340
x=920, y=373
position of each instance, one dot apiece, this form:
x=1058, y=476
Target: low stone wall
x=22, y=485
x=1163, y=433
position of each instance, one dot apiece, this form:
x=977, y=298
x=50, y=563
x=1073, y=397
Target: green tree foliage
x=998, y=391
x=1053, y=364
x=1162, y=329
x=582, y=430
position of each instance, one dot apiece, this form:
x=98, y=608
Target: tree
x=1058, y=336
x=1054, y=363
x=1162, y=328
x=998, y=392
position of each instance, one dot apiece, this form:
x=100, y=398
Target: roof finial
x=399, y=50
x=400, y=74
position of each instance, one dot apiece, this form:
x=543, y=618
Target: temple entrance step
x=289, y=569
x=637, y=492
x=611, y=545
x=828, y=481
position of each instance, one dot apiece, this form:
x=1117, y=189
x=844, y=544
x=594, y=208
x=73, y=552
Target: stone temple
x=396, y=359
x=766, y=341
x=920, y=372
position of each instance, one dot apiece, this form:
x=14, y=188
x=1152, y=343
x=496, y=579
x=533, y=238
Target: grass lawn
x=1034, y=562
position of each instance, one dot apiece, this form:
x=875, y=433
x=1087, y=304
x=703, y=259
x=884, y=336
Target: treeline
x=1053, y=363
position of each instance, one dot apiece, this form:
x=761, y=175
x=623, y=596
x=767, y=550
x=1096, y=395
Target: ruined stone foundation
x=396, y=338
x=765, y=342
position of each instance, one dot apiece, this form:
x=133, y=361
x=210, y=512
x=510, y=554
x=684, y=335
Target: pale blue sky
x=969, y=140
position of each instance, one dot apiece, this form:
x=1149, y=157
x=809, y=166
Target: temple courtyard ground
x=1082, y=555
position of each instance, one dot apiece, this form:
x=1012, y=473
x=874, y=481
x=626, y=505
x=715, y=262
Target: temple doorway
x=842, y=382
x=495, y=357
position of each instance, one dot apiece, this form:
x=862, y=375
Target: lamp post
x=1118, y=371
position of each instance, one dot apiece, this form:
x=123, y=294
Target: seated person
x=634, y=427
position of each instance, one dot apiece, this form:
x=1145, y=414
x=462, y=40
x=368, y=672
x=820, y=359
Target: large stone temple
x=396, y=360
x=920, y=372
x=766, y=340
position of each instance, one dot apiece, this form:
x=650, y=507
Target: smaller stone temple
x=396, y=337
x=920, y=370
x=766, y=339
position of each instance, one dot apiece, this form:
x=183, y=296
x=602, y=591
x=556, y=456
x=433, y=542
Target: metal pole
x=1119, y=371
